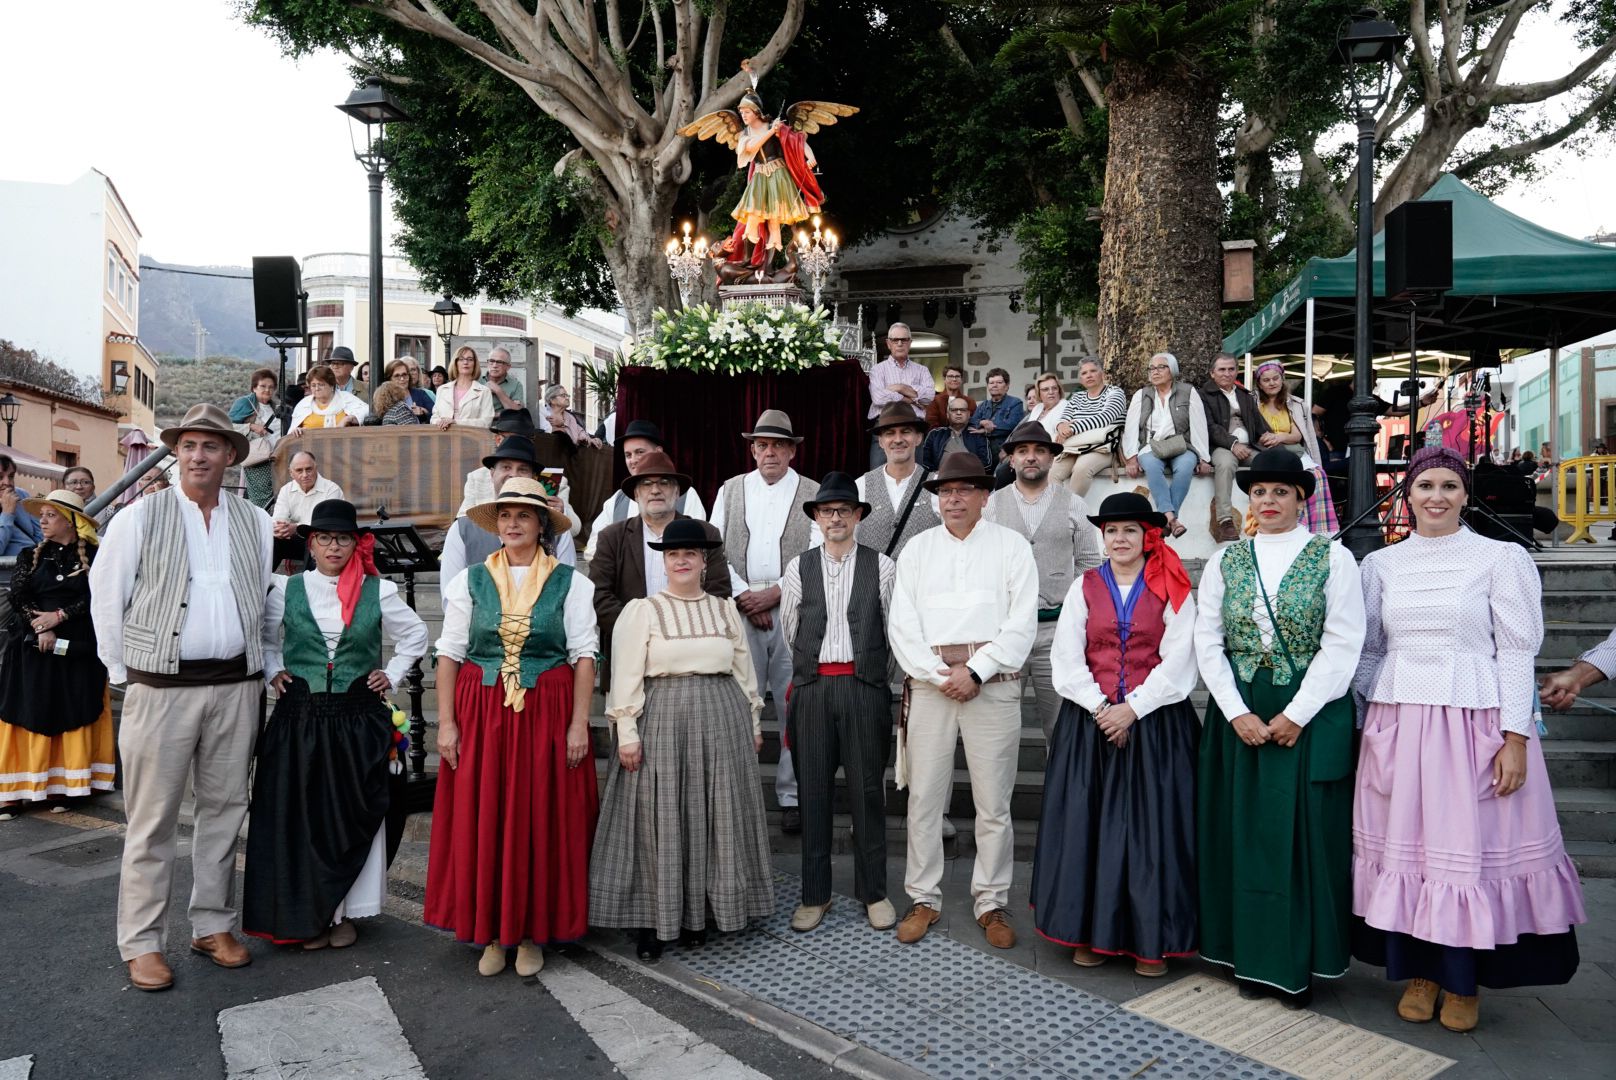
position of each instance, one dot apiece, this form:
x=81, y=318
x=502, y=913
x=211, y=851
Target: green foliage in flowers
x=742, y=339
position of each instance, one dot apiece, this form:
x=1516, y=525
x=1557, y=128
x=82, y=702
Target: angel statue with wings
x=781, y=188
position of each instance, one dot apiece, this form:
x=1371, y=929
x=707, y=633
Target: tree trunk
x=635, y=235
x=1160, y=259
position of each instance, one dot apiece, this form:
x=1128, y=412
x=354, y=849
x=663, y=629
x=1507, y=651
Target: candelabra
x=815, y=255
x=685, y=262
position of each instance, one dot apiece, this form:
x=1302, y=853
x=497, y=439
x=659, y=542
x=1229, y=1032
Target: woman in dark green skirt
x=1280, y=627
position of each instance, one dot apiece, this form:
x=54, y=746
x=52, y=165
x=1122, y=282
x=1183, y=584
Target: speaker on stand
x=280, y=312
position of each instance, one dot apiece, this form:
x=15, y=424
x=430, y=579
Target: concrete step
x=1585, y=575
x=1593, y=858
x=1572, y=638
x=1587, y=813
x=1580, y=605
x=1580, y=763
x=1581, y=722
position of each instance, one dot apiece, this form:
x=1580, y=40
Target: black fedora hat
x=341, y=355
x=1277, y=465
x=333, y=515
x=960, y=465
x=1128, y=506
x=1031, y=431
x=836, y=487
x=683, y=533
x=516, y=449
x=513, y=422
x=641, y=429
x=897, y=414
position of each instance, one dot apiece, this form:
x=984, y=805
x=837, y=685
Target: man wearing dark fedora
x=964, y=615
x=626, y=566
x=177, y=594
x=833, y=611
x=342, y=363
x=1064, y=545
x=516, y=426
x=639, y=439
x=467, y=543
x=760, y=516
x=900, y=508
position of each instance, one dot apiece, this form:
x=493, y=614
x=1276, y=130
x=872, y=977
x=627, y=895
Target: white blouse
x=1329, y=675
x=1452, y=620
x=401, y=626
x=577, y=616
x=1169, y=682
x=664, y=635
x=341, y=403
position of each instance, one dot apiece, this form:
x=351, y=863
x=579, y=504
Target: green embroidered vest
x=359, y=649
x=546, y=645
x=1298, y=611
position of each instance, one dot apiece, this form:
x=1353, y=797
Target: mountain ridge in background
x=174, y=296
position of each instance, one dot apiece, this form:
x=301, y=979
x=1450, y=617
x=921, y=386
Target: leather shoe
x=223, y=949
x=808, y=916
x=1227, y=531
x=1418, y=1004
x=1083, y=956
x=916, y=923
x=344, y=934
x=996, y=925
x=1150, y=969
x=149, y=971
x=790, y=820
x=1460, y=1012
x=881, y=915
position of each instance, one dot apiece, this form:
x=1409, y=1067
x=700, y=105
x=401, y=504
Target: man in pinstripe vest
x=833, y=605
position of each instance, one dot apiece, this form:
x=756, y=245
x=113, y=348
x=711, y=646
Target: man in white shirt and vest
x=177, y=594
x=1056, y=523
x=900, y=508
x=760, y=517
x=640, y=438
x=964, y=615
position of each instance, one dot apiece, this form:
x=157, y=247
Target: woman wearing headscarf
x=1279, y=627
x=1460, y=877
x=317, y=852
x=56, y=738
x=1114, y=869
x=516, y=800
x=1289, y=426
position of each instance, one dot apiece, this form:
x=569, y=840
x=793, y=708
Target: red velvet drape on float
x=702, y=417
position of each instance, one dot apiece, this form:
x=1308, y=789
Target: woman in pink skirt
x=1460, y=878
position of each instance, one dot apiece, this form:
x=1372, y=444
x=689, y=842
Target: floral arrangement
x=740, y=339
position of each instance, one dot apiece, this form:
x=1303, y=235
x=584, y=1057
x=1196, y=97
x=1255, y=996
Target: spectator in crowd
x=899, y=507
x=401, y=374
x=506, y=388
x=56, y=738
x=516, y=798
x=1234, y=424
x=183, y=625
x=964, y=615
x=154, y=481
x=607, y=432
x=1055, y=523
x=833, y=611
x=392, y=406
x=1527, y=465
x=563, y=421
x=317, y=857
x=1164, y=437
x=1545, y=455
x=326, y=406
x=81, y=482
x=898, y=379
x=640, y=439
x=420, y=391
x=439, y=376
x=996, y=417
x=295, y=503
x=1515, y=456
x=341, y=363
x=18, y=528
x=1279, y=625
x=253, y=415
x=953, y=387
x=954, y=438
x=1048, y=403
x=1088, y=427
x=516, y=425
x=682, y=843
x=465, y=401
x=758, y=514
x=1288, y=427
x=1597, y=449
x=1113, y=873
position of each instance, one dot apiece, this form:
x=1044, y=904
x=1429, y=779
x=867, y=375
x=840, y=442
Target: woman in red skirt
x=516, y=800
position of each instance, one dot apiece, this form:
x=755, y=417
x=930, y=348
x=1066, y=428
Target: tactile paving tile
x=842, y=912
x=849, y=944
x=850, y=1006
x=935, y=971
x=1029, y=1012
x=1124, y=1045
x=766, y=968
x=1246, y=1069
x=939, y=1048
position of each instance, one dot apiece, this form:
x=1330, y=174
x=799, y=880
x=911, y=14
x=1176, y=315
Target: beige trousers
x=1224, y=466
x=990, y=726
x=1078, y=471
x=204, y=734
x=1040, y=671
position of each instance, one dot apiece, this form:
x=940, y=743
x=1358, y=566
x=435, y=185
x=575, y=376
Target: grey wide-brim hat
x=773, y=424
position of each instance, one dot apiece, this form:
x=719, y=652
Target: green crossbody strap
x=1279, y=635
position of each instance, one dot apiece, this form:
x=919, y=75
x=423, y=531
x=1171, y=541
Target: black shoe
x=695, y=939
x=649, y=946
x=1249, y=991
x=1295, y=1001
x=790, y=820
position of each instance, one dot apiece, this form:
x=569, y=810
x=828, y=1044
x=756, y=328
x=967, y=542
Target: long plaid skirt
x=683, y=841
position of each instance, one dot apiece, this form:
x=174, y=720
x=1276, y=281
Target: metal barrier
x=1591, y=497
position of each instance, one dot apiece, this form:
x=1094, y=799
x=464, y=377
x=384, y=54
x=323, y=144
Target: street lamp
x=371, y=109
x=9, y=408
x=447, y=314
x=1367, y=46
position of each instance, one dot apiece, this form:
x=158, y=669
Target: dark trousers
x=838, y=721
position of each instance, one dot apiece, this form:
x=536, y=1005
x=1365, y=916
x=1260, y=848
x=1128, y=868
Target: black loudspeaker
x=1419, y=249
x=278, y=296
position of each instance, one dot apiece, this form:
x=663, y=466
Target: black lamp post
x=1367, y=46
x=9, y=408
x=372, y=108
x=447, y=314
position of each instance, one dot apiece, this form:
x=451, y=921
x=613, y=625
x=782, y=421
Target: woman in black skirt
x=1114, y=868
x=317, y=851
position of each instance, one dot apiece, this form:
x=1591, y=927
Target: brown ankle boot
x=1460, y=1011
x=1418, y=1004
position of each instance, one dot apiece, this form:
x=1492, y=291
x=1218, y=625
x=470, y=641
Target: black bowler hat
x=836, y=487
x=513, y=422
x=683, y=533
x=513, y=450
x=642, y=429
x=341, y=355
x=333, y=515
x=1128, y=506
x=1277, y=465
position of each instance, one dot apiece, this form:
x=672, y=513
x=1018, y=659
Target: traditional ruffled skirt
x=771, y=195
x=34, y=767
x=1451, y=882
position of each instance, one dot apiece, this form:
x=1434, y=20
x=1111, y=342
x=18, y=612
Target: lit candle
x=701, y=247
x=687, y=228
x=802, y=240
x=673, y=248
x=830, y=240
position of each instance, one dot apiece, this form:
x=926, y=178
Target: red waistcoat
x=1103, y=649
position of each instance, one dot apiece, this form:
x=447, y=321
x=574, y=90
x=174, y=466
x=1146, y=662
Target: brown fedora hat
x=209, y=418
x=656, y=463
x=1031, y=431
x=960, y=465
x=773, y=424
x=897, y=414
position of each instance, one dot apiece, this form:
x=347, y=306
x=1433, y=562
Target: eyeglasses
x=955, y=493
x=340, y=540
x=898, y=340
x=835, y=513
x=1158, y=367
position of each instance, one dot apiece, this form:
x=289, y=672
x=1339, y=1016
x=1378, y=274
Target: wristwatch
x=977, y=679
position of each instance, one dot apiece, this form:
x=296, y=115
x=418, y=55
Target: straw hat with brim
x=513, y=450
x=685, y=534
x=773, y=424
x=961, y=466
x=897, y=414
x=1031, y=431
x=333, y=516
x=60, y=500
x=656, y=463
x=836, y=487
x=1128, y=506
x=211, y=419
x=518, y=491
x=1276, y=465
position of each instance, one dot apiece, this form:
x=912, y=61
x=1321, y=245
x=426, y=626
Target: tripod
x=1478, y=406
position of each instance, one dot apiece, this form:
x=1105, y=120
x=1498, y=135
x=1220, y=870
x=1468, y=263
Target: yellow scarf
x=516, y=616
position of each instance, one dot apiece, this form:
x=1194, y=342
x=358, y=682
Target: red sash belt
x=836, y=669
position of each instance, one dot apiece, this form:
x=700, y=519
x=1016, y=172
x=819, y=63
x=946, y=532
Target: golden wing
x=724, y=125
x=809, y=116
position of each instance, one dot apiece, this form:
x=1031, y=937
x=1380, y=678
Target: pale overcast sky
x=223, y=148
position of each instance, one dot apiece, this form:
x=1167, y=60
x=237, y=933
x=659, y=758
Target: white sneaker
x=881, y=914
x=808, y=916
x=948, y=829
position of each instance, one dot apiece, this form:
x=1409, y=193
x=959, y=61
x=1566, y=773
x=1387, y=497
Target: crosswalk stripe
x=346, y=1029
x=17, y=1068
x=640, y=1041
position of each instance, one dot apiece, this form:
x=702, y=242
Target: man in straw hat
x=1064, y=544
x=177, y=593
x=640, y=439
x=833, y=612
x=900, y=508
x=964, y=615
x=760, y=517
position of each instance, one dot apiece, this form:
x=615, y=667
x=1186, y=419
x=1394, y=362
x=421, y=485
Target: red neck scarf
x=1164, y=570
x=352, y=578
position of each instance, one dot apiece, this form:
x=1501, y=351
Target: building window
x=326, y=309
x=417, y=347
x=510, y=320
x=580, y=389
x=552, y=369
x=319, y=348
x=112, y=270
x=66, y=459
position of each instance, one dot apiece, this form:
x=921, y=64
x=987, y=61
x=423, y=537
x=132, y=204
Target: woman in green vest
x=1280, y=627
x=516, y=802
x=317, y=851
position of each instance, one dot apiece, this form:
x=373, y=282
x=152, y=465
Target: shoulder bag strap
x=1273, y=620
x=908, y=508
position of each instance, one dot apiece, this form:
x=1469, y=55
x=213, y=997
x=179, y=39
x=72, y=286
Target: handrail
x=1595, y=494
